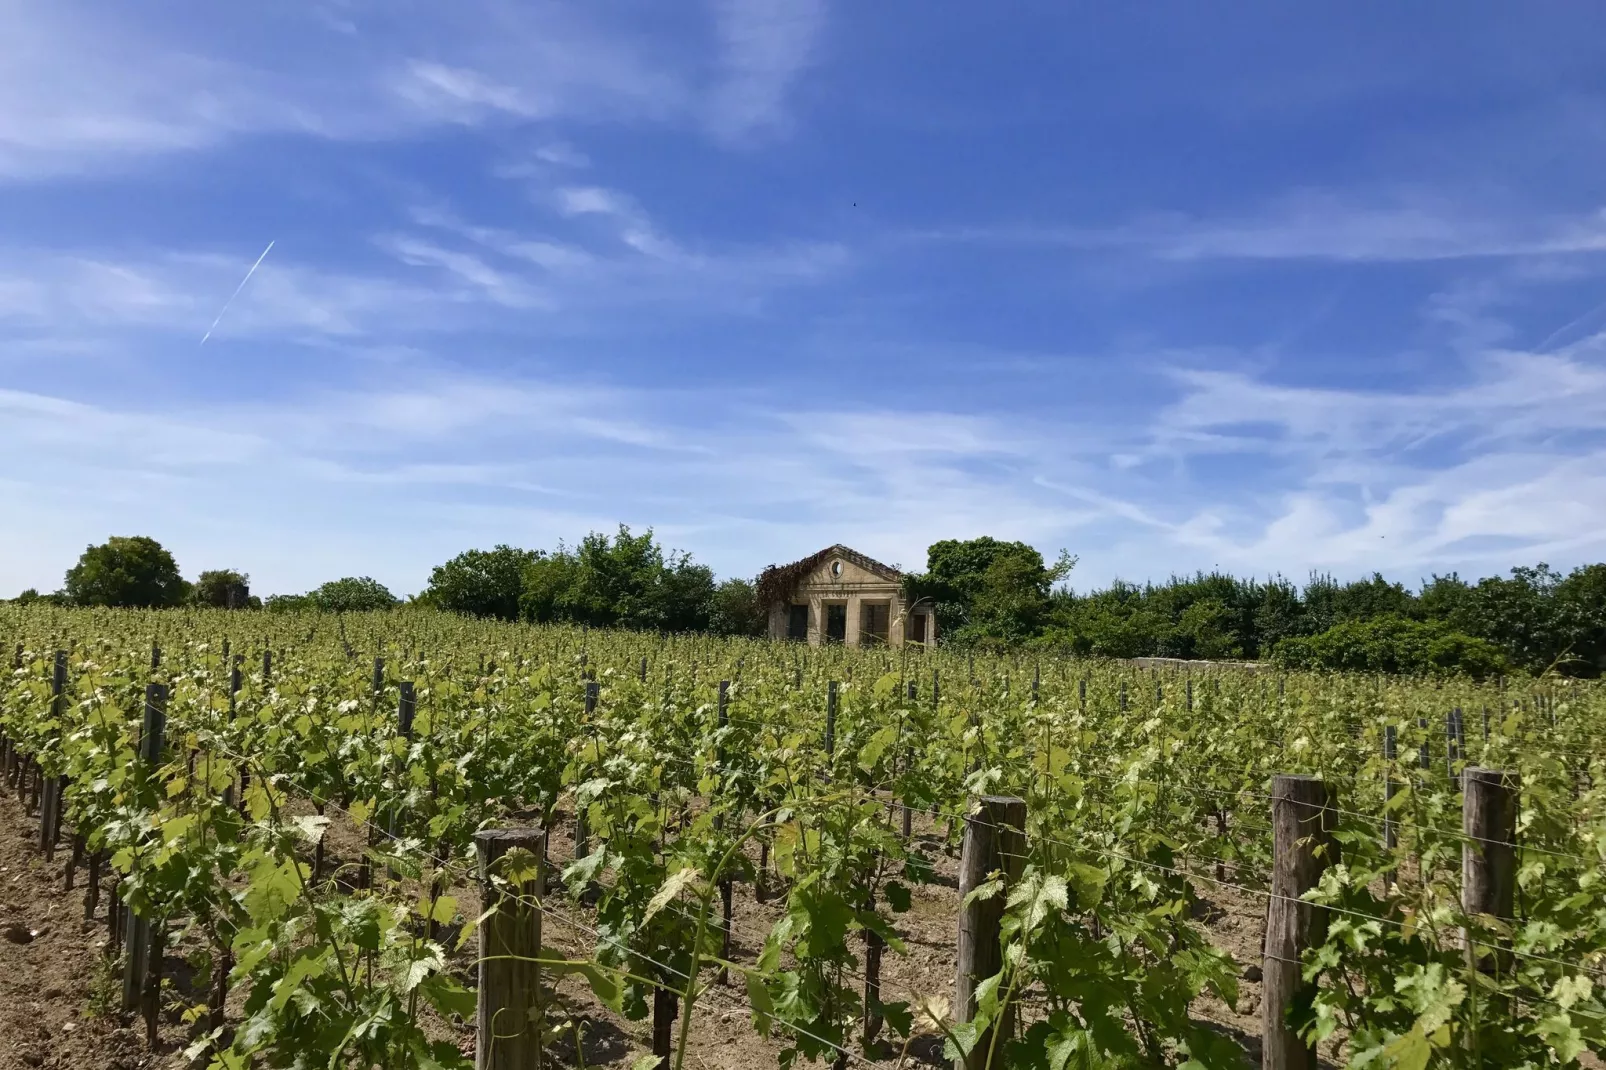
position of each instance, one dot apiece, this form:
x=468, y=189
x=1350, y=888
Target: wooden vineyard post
x=908, y=811
x=1391, y=835
x=406, y=709
x=1301, y=821
x=1488, y=857
x=1455, y=743
x=137, y=930
x=236, y=679
x=508, y=1020
x=726, y=905
x=378, y=683
x=873, y=946
x=665, y=1012
x=995, y=841
x=830, y=725
x=582, y=822
x=50, y=806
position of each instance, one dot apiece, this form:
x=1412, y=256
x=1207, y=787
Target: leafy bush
x=354, y=594
x=224, y=588
x=1393, y=645
x=628, y=581
x=481, y=583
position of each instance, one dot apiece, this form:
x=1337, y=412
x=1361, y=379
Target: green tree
x=1581, y=607
x=985, y=590
x=223, y=588
x=549, y=588
x=1328, y=602
x=131, y=571
x=353, y=594
x=736, y=609
x=482, y=583
x=626, y=581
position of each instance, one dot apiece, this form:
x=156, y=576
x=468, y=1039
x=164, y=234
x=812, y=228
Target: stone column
x=897, y=623
x=855, y=619
x=816, y=620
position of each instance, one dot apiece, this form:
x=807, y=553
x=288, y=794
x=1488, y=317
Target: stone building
x=841, y=596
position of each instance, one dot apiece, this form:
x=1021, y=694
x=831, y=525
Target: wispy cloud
x=1500, y=467
x=63, y=294
x=1320, y=225
x=766, y=45
x=614, y=252
x=86, y=87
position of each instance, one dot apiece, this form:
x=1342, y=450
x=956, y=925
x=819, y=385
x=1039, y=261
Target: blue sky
x=1260, y=286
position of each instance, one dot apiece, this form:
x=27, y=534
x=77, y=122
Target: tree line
x=986, y=592
x=625, y=581
x=1533, y=620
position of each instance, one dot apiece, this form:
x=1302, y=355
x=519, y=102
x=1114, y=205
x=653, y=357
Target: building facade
x=841, y=596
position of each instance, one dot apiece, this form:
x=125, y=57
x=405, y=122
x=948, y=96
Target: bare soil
x=58, y=992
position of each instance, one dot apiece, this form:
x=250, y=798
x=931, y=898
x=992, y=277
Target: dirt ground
x=58, y=990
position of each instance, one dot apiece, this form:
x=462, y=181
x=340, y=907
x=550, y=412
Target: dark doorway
x=836, y=623
x=873, y=629
x=917, y=628
x=797, y=623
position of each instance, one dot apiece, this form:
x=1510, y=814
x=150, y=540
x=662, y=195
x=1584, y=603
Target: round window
x=836, y=568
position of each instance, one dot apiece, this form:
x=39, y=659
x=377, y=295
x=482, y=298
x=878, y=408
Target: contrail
x=236, y=292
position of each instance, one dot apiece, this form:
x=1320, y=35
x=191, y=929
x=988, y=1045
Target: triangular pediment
x=836, y=564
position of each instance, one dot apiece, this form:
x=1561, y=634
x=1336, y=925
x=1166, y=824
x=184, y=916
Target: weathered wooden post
x=50, y=806
x=1488, y=856
x=1391, y=836
x=143, y=943
x=726, y=905
x=830, y=723
x=582, y=819
x=1301, y=848
x=995, y=842
x=406, y=711
x=908, y=811
x=665, y=1013
x=508, y=1020
x=378, y=683
x=873, y=947
x=1455, y=740
x=406, y=708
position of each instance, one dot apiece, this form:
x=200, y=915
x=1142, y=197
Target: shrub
x=1393, y=645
